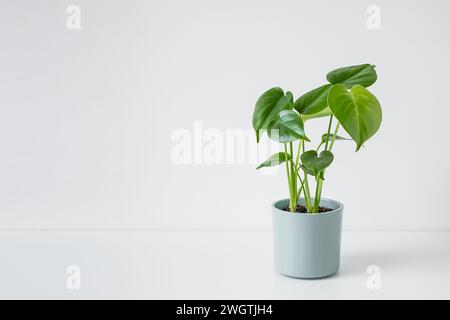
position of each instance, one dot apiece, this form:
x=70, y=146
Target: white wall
x=86, y=116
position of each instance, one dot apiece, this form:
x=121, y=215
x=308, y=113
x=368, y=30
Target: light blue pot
x=307, y=245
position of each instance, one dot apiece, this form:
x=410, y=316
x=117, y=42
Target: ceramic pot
x=307, y=245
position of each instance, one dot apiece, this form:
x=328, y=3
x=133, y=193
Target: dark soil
x=302, y=209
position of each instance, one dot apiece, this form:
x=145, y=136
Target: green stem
x=328, y=131
x=307, y=193
x=298, y=154
x=297, y=159
x=292, y=209
x=317, y=195
x=306, y=190
x=334, y=136
x=319, y=186
x=319, y=183
x=302, y=187
x=321, y=144
x=293, y=177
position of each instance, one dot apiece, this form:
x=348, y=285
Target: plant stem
x=317, y=150
x=318, y=194
x=306, y=186
x=328, y=131
x=307, y=193
x=319, y=183
x=302, y=187
x=334, y=136
x=297, y=174
x=298, y=154
x=297, y=159
x=293, y=177
x=292, y=209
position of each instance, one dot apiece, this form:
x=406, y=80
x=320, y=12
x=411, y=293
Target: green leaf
x=313, y=101
x=364, y=75
x=308, y=171
x=358, y=111
x=324, y=113
x=274, y=160
x=316, y=163
x=269, y=104
x=311, y=173
x=330, y=137
x=287, y=127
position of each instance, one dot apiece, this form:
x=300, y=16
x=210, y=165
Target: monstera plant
x=348, y=104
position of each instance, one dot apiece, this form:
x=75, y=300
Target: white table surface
x=214, y=264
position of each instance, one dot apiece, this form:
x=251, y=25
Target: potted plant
x=306, y=226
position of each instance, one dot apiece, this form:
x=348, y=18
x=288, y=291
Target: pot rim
x=340, y=208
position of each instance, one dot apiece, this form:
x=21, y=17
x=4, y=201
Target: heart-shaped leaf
x=311, y=173
x=313, y=101
x=269, y=104
x=330, y=137
x=358, y=111
x=364, y=75
x=316, y=163
x=274, y=160
x=287, y=127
